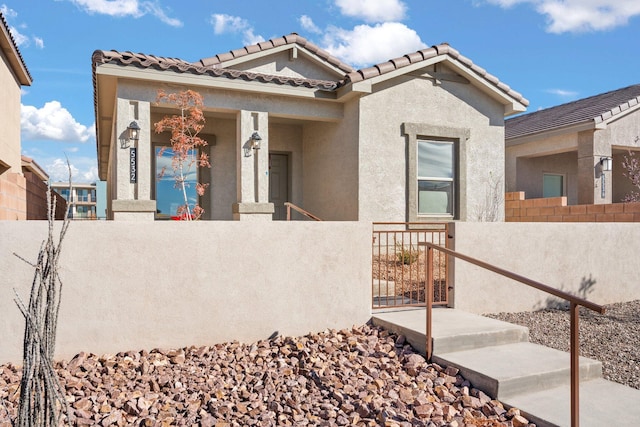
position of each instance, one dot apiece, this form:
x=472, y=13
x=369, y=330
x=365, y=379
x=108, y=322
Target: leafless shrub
x=42, y=399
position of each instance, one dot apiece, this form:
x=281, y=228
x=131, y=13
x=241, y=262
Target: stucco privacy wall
x=135, y=285
x=384, y=152
x=592, y=260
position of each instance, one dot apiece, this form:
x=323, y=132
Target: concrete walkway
x=498, y=358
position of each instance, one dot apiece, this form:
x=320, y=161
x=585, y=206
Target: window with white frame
x=436, y=177
x=433, y=153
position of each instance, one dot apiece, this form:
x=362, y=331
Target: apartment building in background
x=83, y=199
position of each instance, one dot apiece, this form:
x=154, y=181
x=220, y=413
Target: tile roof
x=178, y=65
x=293, y=38
x=13, y=46
x=423, y=55
x=213, y=66
x=596, y=108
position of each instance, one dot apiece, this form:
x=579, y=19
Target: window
x=433, y=191
x=552, y=185
x=436, y=172
x=169, y=196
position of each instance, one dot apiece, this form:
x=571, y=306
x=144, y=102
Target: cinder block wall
x=555, y=209
x=142, y=285
x=13, y=200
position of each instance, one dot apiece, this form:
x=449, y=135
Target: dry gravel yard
x=362, y=376
x=612, y=338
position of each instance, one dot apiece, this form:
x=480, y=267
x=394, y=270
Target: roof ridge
x=9, y=36
x=292, y=38
x=423, y=55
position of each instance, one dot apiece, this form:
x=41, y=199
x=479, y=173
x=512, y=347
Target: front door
x=279, y=184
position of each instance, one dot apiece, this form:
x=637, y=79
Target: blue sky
x=551, y=51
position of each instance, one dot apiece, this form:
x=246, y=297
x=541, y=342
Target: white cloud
x=39, y=42
x=373, y=11
x=367, y=45
x=8, y=13
x=223, y=24
x=52, y=122
x=563, y=93
x=307, y=24
x=83, y=169
x=122, y=8
x=581, y=15
x=21, y=39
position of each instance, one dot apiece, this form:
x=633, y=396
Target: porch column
x=252, y=168
x=591, y=177
x=133, y=163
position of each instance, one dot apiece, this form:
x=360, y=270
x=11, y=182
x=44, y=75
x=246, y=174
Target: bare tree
x=490, y=208
x=42, y=398
x=631, y=167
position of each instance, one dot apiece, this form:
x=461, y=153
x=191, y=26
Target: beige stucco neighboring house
x=416, y=138
x=565, y=150
x=13, y=75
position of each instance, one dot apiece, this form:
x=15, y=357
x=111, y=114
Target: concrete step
x=505, y=370
x=602, y=403
x=452, y=330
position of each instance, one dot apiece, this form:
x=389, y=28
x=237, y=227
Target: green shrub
x=405, y=255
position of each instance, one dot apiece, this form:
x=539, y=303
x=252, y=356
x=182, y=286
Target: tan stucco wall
x=127, y=288
x=282, y=64
x=561, y=255
x=534, y=148
x=9, y=118
x=530, y=173
x=330, y=167
x=383, y=148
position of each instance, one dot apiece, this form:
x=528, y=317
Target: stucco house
x=13, y=75
x=575, y=149
x=416, y=138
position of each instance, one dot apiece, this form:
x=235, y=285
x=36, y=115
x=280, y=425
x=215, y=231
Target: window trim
x=422, y=131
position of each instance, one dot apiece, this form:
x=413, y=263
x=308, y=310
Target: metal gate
x=400, y=264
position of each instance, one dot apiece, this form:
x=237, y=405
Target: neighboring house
x=36, y=184
x=82, y=199
x=563, y=150
x=13, y=75
x=417, y=138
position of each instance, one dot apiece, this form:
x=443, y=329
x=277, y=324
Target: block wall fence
x=555, y=209
x=143, y=285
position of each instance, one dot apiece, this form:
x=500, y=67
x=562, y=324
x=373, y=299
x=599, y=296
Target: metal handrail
x=290, y=206
x=575, y=303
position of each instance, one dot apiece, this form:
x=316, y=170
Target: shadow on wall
x=554, y=303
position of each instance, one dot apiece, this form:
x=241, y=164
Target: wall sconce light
x=606, y=163
x=255, y=141
x=133, y=131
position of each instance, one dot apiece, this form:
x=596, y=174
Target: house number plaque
x=133, y=165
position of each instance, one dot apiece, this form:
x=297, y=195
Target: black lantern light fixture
x=255, y=141
x=606, y=163
x=134, y=131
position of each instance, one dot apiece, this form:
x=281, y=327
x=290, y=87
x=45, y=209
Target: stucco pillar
x=252, y=168
x=591, y=177
x=133, y=163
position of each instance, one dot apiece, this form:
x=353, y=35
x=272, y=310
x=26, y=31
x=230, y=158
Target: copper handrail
x=574, y=301
x=290, y=206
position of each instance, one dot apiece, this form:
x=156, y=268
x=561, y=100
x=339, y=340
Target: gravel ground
x=363, y=376
x=612, y=338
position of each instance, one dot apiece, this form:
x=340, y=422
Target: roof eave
x=548, y=133
x=13, y=56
